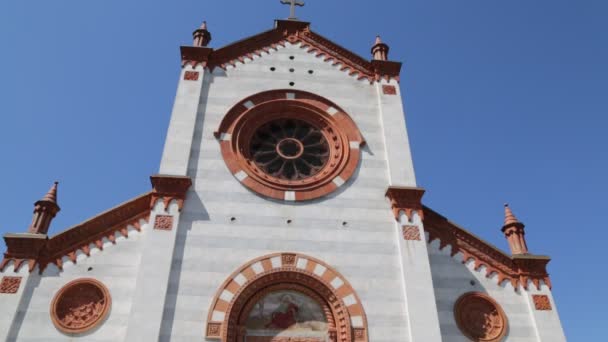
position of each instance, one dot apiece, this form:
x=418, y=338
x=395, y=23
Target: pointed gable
x=289, y=31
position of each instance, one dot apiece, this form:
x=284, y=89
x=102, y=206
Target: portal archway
x=286, y=297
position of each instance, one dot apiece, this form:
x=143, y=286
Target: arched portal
x=286, y=297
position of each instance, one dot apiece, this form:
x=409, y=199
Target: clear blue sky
x=506, y=101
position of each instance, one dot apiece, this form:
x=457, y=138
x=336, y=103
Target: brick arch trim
x=337, y=126
x=346, y=315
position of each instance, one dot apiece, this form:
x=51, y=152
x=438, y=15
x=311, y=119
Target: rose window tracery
x=80, y=306
x=289, y=149
x=480, y=318
x=289, y=145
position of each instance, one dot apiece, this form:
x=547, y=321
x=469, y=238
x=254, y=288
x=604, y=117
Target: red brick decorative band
x=317, y=165
x=80, y=305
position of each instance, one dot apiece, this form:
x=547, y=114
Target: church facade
x=286, y=209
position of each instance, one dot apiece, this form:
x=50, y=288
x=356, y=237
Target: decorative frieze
x=517, y=269
x=39, y=250
x=10, y=285
x=292, y=32
x=542, y=302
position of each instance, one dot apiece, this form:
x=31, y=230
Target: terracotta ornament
x=291, y=31
x=289, y=145
x=292, y=272
x=191, y=75
x=163, y=222
x=10, y=285
x=542, y=302
x=411, y=233
x=80, y=306
x=480, y=318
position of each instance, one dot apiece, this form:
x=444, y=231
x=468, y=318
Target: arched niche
x=286, y=297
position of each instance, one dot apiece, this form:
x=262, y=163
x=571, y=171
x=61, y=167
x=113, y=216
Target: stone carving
x=411, y=233
x=163, y=222
x=389, y=90
x=191, y=75
x=542, y=302
x=480, y=318
x=10, y=284
x=288, y=259
x=80, y=306
x=359, y=334
x=213, y=329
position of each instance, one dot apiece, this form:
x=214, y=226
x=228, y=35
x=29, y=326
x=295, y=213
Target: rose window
x=289, y=145
x=289, y=149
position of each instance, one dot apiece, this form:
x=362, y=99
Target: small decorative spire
x=380, y=50
x=44, y=211
x=514, y=232
x=51, y=196
x=201, y=36
x=509, y=216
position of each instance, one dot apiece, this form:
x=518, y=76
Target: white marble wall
x=116, y=267
x=451, y=279
x=210, y=246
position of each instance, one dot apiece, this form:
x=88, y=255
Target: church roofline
x=291, y=31
x=517, y=269
x=40, y=250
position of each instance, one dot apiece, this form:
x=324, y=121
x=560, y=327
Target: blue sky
x=506, y=102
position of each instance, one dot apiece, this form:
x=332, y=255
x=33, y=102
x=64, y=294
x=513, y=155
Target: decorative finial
x=514, y=232
x=51, y=196
x=292, y=7
x=201, y=36
x=44, y=211
x=380, y=50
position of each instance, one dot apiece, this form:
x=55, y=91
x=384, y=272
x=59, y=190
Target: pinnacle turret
x=45, y=210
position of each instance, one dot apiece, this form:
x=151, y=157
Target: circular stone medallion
x=480, y=318
x=80, y=306
x=290, y=145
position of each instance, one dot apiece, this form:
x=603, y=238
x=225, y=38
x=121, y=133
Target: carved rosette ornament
x=80, y=306
x=480, y=318
x=289, y=145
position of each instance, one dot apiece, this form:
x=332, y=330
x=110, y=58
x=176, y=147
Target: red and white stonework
x=286, y=209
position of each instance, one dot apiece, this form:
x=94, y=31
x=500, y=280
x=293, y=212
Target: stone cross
x=292, y=4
